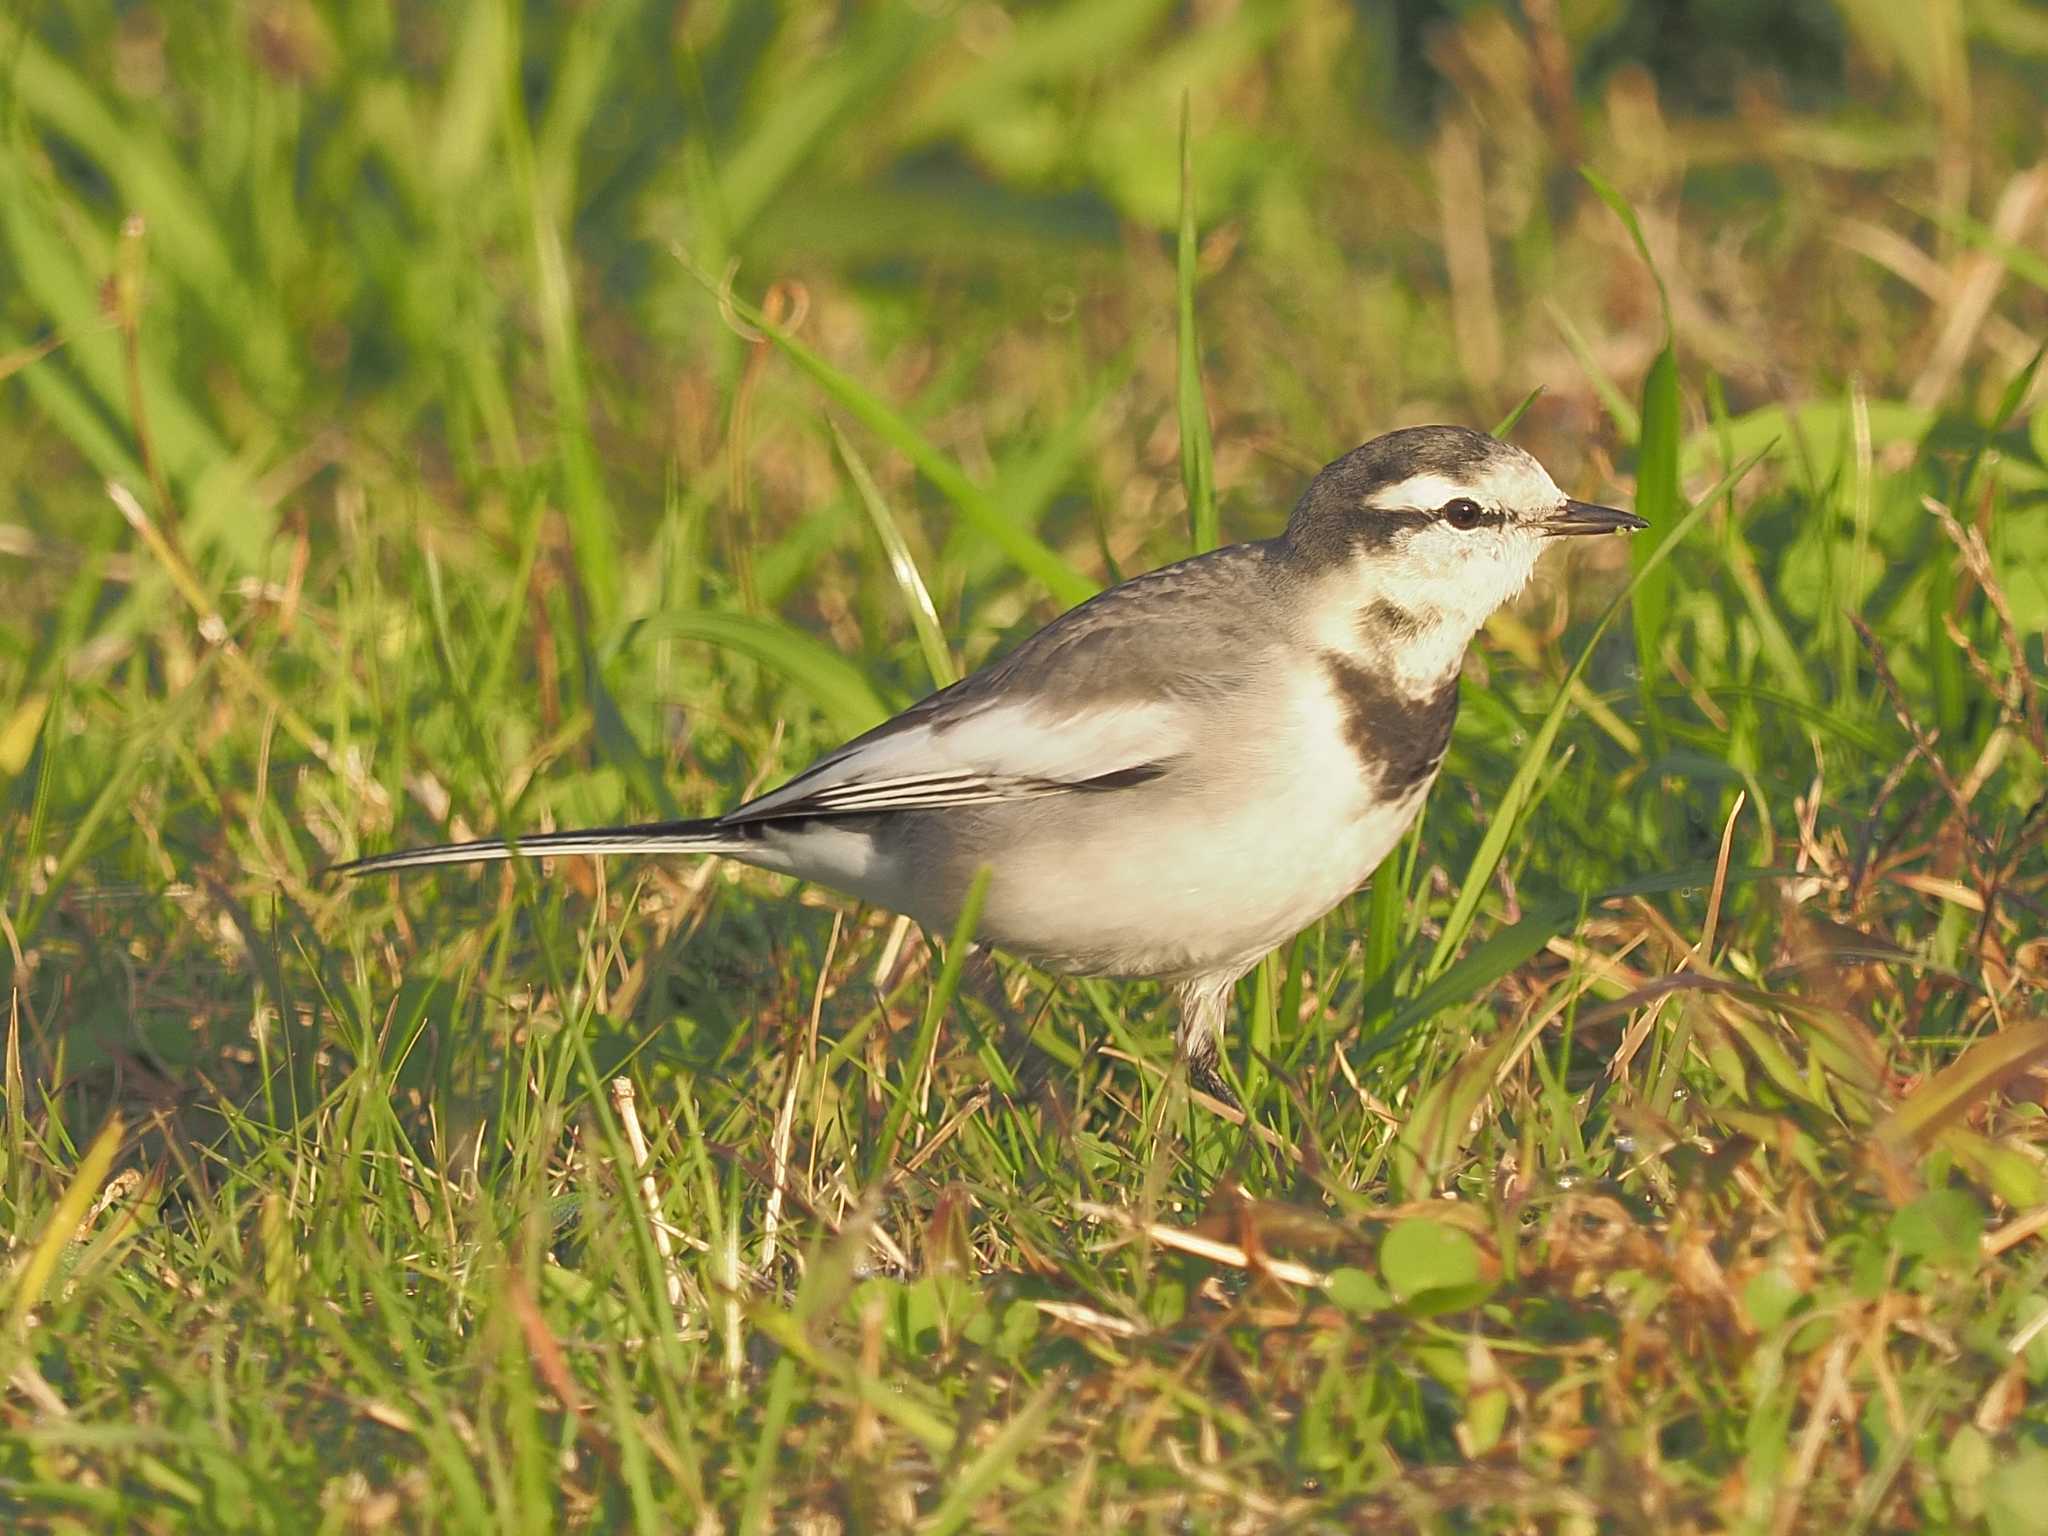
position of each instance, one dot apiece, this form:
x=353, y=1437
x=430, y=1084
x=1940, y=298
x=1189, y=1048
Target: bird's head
x=1439, y=522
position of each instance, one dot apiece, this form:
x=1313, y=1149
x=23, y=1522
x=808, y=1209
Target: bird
x=1181, y=773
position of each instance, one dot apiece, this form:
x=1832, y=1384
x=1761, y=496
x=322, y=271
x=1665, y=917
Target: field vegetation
x=417, y=421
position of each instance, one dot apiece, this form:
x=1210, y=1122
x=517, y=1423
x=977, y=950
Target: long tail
x=705, y=836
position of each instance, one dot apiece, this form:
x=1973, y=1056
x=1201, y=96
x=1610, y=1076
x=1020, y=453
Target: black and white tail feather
x=702, y=836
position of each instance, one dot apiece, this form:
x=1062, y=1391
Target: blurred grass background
x=520, y=417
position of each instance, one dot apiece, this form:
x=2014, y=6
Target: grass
x=420, y=422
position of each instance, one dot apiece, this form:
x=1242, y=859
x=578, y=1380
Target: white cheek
x=1469, y=572
x=1513, y=562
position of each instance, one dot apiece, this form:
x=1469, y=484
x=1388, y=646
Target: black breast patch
x=1398, y=738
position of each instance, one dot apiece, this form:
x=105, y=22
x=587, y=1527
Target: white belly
x=1210, y=868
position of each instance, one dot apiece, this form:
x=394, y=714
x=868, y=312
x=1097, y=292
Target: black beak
x=1585, y=517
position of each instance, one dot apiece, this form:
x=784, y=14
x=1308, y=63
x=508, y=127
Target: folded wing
x=978, y=755
x=1109, y=695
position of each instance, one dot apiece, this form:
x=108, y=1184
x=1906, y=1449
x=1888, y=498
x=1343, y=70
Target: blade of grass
x=917, y=597
x=593, y=542
x=829, y=678
x=1025, y=550
x=65, y=1219
x=1657, y=494
x=1627, y=423
x=1509, y=422
x=1197, y=459
x=980, y=1477
x=1385, y=906
x=957, y=950
x=1623, y=210
x=1658, y=500
x=1978, y=1072
x=761, y=1478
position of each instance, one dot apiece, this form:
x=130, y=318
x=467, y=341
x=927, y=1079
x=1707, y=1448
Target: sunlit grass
x=593, y=417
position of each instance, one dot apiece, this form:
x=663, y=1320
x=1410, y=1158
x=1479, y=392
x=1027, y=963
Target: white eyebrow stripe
x=1424, y=493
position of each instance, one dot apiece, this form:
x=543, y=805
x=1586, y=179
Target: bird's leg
x=1204, y=1006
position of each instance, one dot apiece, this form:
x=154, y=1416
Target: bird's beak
x=1585, y=517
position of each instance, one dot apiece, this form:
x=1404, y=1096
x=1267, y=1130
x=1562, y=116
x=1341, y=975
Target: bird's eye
x=1462, y=513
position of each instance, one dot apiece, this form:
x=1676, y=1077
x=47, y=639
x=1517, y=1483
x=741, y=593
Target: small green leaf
x=1432, y=1267
x=1965, y=1466
x=2016, y=1493
x=19, y=732
x=1020, y=1327
x=1997, y=1168
x=1356, y=1291
x=1943, y=1226
x=1165, y=1303
x=920, y=1307
x=1486, y=1419
x=1770, y=1297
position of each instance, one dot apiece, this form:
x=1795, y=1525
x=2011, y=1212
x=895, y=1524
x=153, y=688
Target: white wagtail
x=1192, y=766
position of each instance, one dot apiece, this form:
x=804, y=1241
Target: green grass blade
x=1623, y=210
x=1658, y=500
x=761, y=1477
x=981, y=1476
x=63, y=1224
x=2027, y=265
x=917, y=597
x=833, y=682
x=1657, y=445
x=1197, y=458
x=1627, y=424
x=1385, y=905
x=957, y=950
x=1513, y=419
x=976, y=505
x=591, y=531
